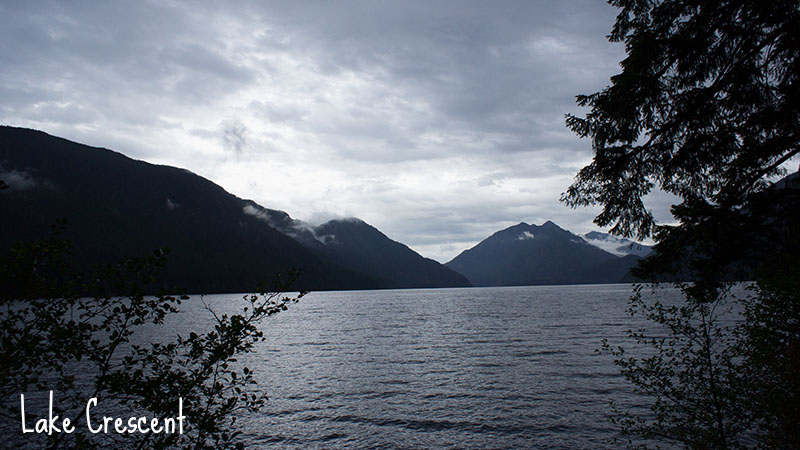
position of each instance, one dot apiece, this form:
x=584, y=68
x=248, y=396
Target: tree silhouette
x=706, y=108
x=80, y=335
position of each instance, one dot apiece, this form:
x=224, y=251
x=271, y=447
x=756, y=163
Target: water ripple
x=447, y=368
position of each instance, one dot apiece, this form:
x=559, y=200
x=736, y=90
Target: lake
x=511, y=367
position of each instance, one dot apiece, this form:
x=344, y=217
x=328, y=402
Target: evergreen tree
x=707, y=108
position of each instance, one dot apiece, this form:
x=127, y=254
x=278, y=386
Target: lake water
x=511, y=367
x=445, y=368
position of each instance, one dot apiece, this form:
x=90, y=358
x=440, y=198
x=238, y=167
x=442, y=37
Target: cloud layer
x=437, y=122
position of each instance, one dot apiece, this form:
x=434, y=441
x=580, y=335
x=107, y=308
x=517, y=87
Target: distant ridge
x=118, y=207
x=534, y=255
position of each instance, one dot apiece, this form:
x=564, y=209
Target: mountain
x=529, y=255
x=118, y=207
x=358, y=246
x=616, y=245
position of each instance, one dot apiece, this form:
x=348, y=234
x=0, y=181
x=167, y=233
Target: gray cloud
x=234, y=136
x=21, y=180
x=437, y=122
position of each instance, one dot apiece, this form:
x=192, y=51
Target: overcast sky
x=438, y=122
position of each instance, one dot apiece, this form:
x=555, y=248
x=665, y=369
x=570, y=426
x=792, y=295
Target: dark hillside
x=118, y=207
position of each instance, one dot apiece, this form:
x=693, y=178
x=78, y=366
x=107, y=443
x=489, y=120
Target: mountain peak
x=597, y=235
x=551, y=228
x=352, y=220
x=546, y=254
x=362, y=247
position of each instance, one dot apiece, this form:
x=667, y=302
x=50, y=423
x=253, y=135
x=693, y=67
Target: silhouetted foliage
x=81, y=337
x=688, y=363
x=706, y=108
x=770, y=339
